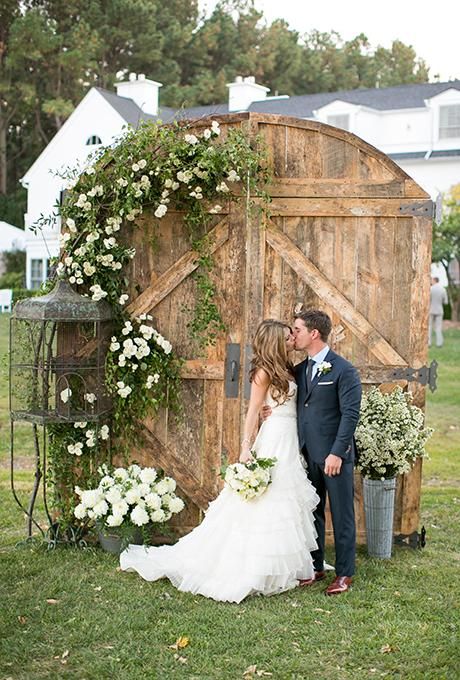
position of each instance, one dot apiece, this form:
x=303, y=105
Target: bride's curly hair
x=270, y=354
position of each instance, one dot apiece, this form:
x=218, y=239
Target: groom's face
x=302, y=336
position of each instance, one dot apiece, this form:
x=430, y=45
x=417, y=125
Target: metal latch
x=232, y=370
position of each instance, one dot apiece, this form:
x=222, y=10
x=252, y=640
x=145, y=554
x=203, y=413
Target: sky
x=432, y=28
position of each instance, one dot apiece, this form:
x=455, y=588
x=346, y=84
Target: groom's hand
x=332, y=465
x=265, y=412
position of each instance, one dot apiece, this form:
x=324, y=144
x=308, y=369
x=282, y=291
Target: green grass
x=105, y=624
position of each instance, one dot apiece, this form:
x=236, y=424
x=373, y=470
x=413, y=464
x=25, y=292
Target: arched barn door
x=349, y=232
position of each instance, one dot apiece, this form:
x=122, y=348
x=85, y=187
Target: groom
x=328, y=401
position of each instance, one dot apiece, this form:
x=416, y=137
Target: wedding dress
x=241, y=548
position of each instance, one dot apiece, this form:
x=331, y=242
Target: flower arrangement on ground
x=128, y=497
x=249, y=480
x=390, y=434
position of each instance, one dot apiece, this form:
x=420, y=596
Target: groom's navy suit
x=327, y=415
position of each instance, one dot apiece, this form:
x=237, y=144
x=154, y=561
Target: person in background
x=438, y=298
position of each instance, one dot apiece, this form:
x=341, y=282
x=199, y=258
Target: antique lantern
x=58, y=345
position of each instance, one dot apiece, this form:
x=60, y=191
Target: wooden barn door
x=193, y=448
x=350, y=233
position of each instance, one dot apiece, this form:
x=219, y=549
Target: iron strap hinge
x=425, y=375
x=418, y=208
x=413, y=540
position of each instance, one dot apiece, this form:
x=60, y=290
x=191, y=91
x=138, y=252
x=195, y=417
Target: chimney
x=142, y=91
x=243, y=92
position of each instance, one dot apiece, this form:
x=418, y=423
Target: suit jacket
x=328, y=413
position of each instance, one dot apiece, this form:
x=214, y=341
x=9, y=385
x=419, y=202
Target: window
x=340, y=121
x=94, y=139
x=36, y=274
x=449, y=121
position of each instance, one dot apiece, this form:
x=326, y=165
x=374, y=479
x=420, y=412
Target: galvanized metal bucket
x=379, y=503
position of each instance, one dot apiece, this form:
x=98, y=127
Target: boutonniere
x=324, y=367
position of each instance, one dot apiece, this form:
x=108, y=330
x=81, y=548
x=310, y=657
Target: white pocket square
x=331, y=382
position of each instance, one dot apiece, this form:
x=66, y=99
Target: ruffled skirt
x=241, y=548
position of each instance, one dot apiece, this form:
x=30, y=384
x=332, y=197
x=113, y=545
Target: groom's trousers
x=341, y=501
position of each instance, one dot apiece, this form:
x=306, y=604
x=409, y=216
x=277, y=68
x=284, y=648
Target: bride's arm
x=259, y=388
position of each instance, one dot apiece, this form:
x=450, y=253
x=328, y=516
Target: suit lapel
x=330, y=356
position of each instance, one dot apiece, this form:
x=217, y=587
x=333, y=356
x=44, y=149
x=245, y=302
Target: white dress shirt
x=318, y=358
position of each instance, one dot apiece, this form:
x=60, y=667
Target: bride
x=261, y=546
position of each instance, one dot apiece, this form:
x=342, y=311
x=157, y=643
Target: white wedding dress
x=261, y=546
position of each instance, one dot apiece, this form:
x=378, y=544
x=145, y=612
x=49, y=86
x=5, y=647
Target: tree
x=446, y=246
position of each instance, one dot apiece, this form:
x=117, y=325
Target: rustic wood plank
x=212, y=436
x=346, y=207
x=311, y=274
x=177, y=468
x=165, y=283
x=292, y=187
x=202, y=369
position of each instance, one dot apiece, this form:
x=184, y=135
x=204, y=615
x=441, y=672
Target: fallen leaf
x=386, y=649
x=22, y=620
x=98, y=588
x=325, y=611
x=52, y=601
x=250, y=670
x=65, y=654
x=180, y=643
x=295, y=604
x=320, y=623
x=118, y=569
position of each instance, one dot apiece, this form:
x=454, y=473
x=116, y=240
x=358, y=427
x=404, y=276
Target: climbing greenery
x=196, y=171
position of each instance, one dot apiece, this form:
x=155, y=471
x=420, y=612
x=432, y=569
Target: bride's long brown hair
x=270, y=353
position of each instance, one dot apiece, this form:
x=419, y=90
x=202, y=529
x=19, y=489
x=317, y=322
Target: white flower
x=233, y=176
x=122, y=360
x=106, y=482
x=68, y=261
x=114, y=520
x=71, y=225
x=176, y=504
x=80, y=511
x=162, y=487
x=66, y=394
x=139, y=516
x=104, y=432
x=216, y=209
x=133, y=495
x=151, y=379
x=158, y=516
x=113, y=495
x=134, y=470
x=91, y=497
x=60, y=268
x=215, y=127
x=75, y=449
x=90, y=170
x=92, y=237
x=324, y=367
x=90, y=397
x=120, y=508
x=191, y=139
x=123, y=390
x=121, y=474
x=142, y=163
x=123, y=299
x=122, y=182
x=161, y=211
x=222, y=187
x=97, y=292
x=153, y=501
x=81, y=424
x=114, y=345
x=135, y=167
x=81, y=201
x=184, y=177
x=207, y=133
x=110, y=242
x=101, y=509
x=171, y=483
x=128, y=327
x=90, y=438
x=148, y=475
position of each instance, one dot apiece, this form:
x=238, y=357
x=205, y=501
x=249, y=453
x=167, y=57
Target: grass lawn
x=71, y=614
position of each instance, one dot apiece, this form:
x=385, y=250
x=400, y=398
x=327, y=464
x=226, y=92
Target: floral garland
x=151, y=168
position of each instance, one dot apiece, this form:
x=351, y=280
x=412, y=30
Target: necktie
x=309, y=373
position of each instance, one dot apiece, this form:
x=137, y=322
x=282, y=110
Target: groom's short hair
x=315, y=318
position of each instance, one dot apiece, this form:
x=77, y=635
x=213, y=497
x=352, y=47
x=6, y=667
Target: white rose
x=120, y=508
x=120, y=474
x=176, y=505
x=91, y=497
x=123, y=299
x=148, y=475
x=100, y=509
x=171, y=483
x=66, y=394
x=113, y=495
x=191, y=139
x=162, y=487
x=139, y=516
x=90, y=397
x=80, y=511
x=153, y=501
x=161, y=211
x=158, y=516
x=132, y=496
x=104, y=432
x=114, y=520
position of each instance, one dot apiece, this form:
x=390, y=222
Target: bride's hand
x=265, y=412
x=245, y=457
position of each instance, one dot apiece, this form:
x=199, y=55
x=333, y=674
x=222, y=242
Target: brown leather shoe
x=318, y=576
x=341, y=584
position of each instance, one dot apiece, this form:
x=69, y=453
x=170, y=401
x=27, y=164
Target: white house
x=417, y=125
x=11, y=238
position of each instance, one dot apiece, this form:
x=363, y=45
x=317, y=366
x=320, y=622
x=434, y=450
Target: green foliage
x=12, y=280
x=446, y=245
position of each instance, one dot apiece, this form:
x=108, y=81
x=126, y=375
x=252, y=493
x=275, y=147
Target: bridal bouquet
x=250, y=479
x=129, y=497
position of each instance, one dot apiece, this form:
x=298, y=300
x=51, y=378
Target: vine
x=153, y=168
